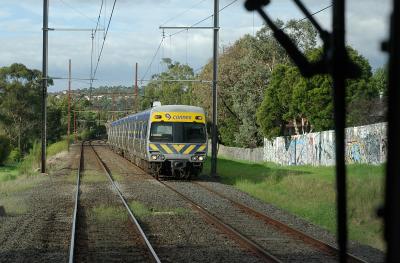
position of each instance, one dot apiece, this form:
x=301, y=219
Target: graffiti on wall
x=364, y=144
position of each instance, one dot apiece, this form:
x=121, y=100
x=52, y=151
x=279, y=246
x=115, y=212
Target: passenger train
x=169, y=140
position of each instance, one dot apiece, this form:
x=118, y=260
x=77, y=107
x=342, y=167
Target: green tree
x=292, y=99
x=20, y=104
x=245, y=70
x=379, y=80
x=167, y=87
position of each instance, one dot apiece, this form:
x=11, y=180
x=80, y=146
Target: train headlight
x=195, y=158
x=201, y=158
x=154, y=157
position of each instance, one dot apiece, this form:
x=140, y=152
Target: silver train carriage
x=169, y=140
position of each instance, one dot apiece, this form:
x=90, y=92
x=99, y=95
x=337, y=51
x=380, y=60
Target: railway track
x=319, y=244
x=74, y=248
x=244, y=239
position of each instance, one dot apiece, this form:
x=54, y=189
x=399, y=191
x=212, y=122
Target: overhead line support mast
x=214, y=131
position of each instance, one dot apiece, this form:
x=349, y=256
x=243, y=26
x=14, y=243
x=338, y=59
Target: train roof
x=177, y=108
x=164, y=108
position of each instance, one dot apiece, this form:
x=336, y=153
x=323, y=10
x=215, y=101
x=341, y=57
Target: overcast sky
x=134, y=33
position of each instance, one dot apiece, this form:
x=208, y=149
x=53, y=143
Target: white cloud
x=134, y=34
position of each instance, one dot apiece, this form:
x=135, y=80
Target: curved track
x=322, y=246
x=247, y=241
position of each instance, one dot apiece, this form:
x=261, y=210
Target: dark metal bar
x=75, y=29
x=392, y=202
x=339, y=78
x=214, y=92
x=44, y=83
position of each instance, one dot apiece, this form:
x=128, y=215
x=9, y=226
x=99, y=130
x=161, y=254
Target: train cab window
x=161, y=132
x=178, y=132
x=193, y=133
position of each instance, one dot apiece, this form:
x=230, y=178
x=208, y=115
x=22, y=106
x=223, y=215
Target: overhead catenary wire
x=183, y=12
x=312, y=14
x=77, y=11
x=204, y=19
x=104, y=39
x=152, y=60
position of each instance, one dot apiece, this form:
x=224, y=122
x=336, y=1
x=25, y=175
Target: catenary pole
x=75, y=131
x=69, y=104
x=136, y=107
x=214, y=134
x=339, y=95
x=44, y=83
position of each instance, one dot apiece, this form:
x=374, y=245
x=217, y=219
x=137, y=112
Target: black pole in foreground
x=214, y=139
x=45, y=80
x=339, y=93
x=392, y=202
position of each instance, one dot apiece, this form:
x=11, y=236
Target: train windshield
x=178, y=132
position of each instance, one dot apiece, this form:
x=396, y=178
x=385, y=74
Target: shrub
x=31, y=161
x=5, y=148
x=14, y=156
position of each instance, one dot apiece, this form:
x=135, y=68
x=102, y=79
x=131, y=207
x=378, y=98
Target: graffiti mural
x=364, y=144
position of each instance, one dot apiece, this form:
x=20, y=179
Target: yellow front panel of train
x=178, y=117
x=177, y=148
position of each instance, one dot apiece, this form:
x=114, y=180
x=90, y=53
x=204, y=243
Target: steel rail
x=74, y=218
x=230, y=231
x=321, y=245
x=131, y=216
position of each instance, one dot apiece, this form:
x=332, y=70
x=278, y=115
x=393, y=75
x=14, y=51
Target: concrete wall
x=236, y=153
x=364, y=144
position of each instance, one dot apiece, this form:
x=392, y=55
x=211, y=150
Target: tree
x=169, y=92
x=20, y=104
x=245, y=70
x=4, y=149
x=379, y=80
x=291, y=99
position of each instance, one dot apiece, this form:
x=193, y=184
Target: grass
x=90, y=176
x=31, y=162
x=20, y=184
x=141, y=211
x=8, y=172
x=57, y=147
x=309, y=192
x=106, y=213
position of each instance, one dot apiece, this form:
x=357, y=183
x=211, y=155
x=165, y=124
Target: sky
x=134, y=34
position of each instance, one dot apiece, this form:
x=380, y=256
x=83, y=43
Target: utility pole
x=214, y=138
x=75, y=131
x=136, y=107
x=91, y=68
x=69, y=104
x=44, y=83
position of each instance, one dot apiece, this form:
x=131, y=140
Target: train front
x=177, y=142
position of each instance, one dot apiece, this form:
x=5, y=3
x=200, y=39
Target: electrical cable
x=77, y=11
x=183, y=12
x=304, y=18
x=104, y=39
x=204, y=19
x=152, y=60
